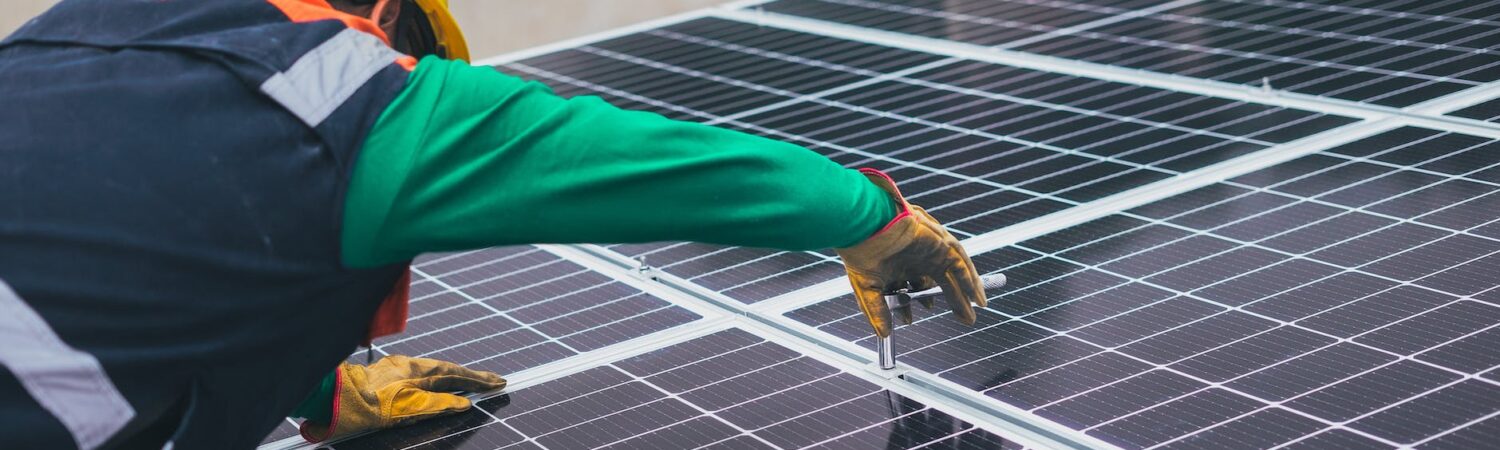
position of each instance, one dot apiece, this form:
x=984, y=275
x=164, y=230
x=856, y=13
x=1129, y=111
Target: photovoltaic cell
x=1391, y=53
x=1487, y=111
x=729, y=389
x=1335, y=298
x=981, y=146
x=512, y=308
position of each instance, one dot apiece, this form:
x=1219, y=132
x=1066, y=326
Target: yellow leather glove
x=397, y=390
x=914, y=248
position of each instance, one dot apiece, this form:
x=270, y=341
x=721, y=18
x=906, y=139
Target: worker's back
x=153, y=189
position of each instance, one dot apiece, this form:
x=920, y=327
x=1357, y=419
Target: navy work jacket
x=172, y=175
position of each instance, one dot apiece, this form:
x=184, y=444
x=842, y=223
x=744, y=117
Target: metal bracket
x=899, y=303
x=644, y=270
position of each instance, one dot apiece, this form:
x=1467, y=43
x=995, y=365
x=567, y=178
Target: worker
x=207, y=205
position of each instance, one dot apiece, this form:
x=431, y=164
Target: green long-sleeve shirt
x=467, y=157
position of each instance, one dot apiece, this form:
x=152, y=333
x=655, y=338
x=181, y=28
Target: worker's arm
x=467, y=157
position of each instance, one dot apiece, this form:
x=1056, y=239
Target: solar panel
x=981, y=146
x=1192, y=265
x=509, y=309
x=514, y=308
x=1392, y=53
x=729, y=389
x=1332, y=295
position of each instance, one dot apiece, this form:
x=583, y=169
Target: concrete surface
x=492, y=26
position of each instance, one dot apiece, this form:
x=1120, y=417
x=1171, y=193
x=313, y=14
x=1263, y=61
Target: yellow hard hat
x=448, y=40
x=425, y=27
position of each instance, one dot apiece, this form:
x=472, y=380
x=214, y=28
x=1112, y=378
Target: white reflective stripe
x=321, y=80
x=67, y=382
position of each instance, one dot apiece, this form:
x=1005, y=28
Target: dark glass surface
x=511, y=308
x=1388, y=53
x=1335, y=298
x=1186, y=414
x=1487, y=111
x=726, y=390
x=1478, y=435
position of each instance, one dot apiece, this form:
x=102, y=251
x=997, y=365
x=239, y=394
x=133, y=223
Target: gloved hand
x=914, y=248
x=397, y=390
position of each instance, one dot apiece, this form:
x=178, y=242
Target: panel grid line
x=484, y=305
x=789, y=136
x=1084, y=68
x=1105, y=39
x=998, y=96
x=1163, y=222
x=909, y=119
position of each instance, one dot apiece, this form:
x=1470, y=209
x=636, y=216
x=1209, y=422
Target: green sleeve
x=468, y=157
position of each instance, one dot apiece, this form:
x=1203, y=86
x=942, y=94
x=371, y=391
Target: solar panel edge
x=832, y=351
x=1476, y=105
x=1440, y=113
x=1436, y=110
x=585, y=361
x=631, y=272
x=848, y=356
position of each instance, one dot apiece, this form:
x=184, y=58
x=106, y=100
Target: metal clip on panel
x=900, y=300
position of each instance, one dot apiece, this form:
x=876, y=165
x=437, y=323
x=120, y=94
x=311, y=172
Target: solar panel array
x=1190, y=265
x=981, y=146
x=1339, y=294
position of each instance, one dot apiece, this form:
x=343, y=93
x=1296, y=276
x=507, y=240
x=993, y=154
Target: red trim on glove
x=905, y=208
x=307, y=426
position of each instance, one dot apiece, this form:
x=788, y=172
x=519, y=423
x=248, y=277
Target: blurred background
x=491, y=26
